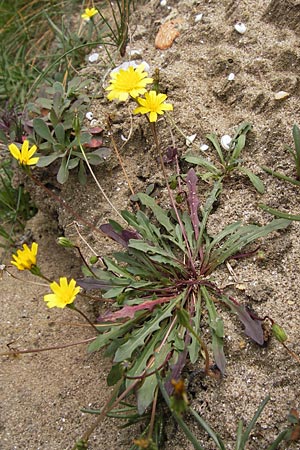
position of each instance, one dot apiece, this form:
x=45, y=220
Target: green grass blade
x=251, y=425
x=277, y=213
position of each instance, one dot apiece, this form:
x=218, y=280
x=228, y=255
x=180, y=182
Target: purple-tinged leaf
x=122, y=237
x=178, y=367
x=129, y=311
x=170, y=155
x=193, y=201
x=218, y=352
x=253, y=327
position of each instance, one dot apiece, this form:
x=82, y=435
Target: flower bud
x=65, y=242
x=279, y=333
x=93, y=259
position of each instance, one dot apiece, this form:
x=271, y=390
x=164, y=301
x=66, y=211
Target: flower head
x=24, y=156
x=153, y=103
x=131, y=81
x=89, y=13
x=25, y=259
x=64, y=293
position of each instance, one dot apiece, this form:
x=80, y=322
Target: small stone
x=89, y=115
x=231, y=77
x=281, y=95
x=240, y=27
x=93, y=57
x=198, y=17
x=190, y=139
x=204, y=147
x=226, y=141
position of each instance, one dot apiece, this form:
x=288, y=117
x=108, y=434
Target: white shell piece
x=190, y=139
x=135, y=52
x=163, y=2
x=240, y=27
x=204, y=147
x=89, y=115
x=231, y=76
x=226, y=141
x=93, y=57
x=198, y=17
x=94, y=122
x=281, y=95
x=125, y=65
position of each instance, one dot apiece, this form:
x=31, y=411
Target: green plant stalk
x=296, y=136
x=244, y=438
x=280, y=176
x=277, y=213
x=154, y=132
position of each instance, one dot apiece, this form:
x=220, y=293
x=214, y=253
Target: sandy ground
x=42, y=393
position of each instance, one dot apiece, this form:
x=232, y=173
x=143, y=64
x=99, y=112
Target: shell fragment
x=240, y=27
x=226, y=141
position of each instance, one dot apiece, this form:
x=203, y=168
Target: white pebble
x=204, y=147
x=231, y=77
x=89, y=115
x=163, y=2
x=190, y=139
x=198, y=17
x=226, y=141
x=93, y=57
x=240, y=27
x=281, y=95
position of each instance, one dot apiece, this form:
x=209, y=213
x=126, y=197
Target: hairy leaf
x=139, y=336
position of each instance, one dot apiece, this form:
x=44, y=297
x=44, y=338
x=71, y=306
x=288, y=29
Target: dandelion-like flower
x=64, y=293
x=131, y=81
x=154, y=104
x=89, y=13
x=25, y=155
x=26, y=259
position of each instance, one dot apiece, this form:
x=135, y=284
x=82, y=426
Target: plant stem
x=154, y=132
x=96, y=181
x=72, y=306
x=45, y=349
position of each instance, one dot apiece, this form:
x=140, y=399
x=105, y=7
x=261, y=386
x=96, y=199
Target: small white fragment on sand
x=93, y=57
x=198, y=17
x=135, y=53
x=226, y=141
x=240, y=27
x=190, y=139
x=281, y=95
x=231, y=76
x=204, y=147
x=89, y=115
x=163, y=2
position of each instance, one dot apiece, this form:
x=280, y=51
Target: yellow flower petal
x=130, y=82
x=64, y=293
x=25, y=259
x=14, y=151
x=24, y=156
x=153, y=103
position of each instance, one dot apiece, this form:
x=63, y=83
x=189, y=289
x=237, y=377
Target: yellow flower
x=88, y=13
x=26, y=258
x=63, y=293
x=24, y=156
x=131, y=81
x=153, y=103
